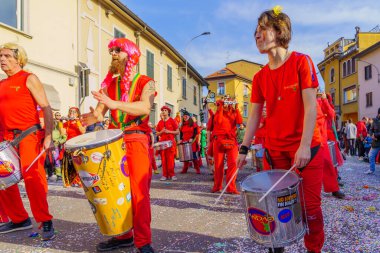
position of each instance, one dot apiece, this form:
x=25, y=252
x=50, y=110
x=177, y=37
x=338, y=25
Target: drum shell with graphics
x=277, y=221
x=99, y=159
x=10, y=172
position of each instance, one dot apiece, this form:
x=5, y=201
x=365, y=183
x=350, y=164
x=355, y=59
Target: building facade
x=339, y=71
x=235, y=80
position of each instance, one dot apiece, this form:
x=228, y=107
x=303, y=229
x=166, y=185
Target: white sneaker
x=368, y=172
x=174, y=178
x=360, y=158
x=163, y=179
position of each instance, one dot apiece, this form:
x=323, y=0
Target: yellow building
x=234, y=80
x=339, y=71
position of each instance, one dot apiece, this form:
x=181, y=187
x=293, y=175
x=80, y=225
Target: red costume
x=18, y=110
x=168, y=155
x=284, y=125
x=224, y=130
x=72, y=128
x=189, y=131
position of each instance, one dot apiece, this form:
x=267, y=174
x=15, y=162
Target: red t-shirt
x=18, y=108
x=281, y=89
x=187, y=131
x=169, y=124
x=72, y=128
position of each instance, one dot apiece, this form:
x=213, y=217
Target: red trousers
x=330, y=175
x=312, y=186
x=167, y=159
x=219, y=153
x=152, y=158
x=3, y=215
x=196, y=166
x=137, y=153
x=35, y=184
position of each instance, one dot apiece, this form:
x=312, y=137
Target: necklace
x=281, y=87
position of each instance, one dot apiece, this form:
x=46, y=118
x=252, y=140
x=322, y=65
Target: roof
x=261, y=65
x=223, y=73
x=368, y=50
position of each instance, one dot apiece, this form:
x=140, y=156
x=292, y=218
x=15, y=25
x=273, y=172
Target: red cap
x=166, y=108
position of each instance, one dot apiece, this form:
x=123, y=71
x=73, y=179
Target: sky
x=232, y=23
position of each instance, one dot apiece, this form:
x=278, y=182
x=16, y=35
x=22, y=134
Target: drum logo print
x=263, y=223
x=124, y=166
x=89, y=179
x=285, y=215
x=96, y=157
x=6, y=168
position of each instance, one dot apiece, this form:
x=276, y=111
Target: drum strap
x=23, y=134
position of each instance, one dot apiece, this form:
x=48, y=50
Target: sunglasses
x=115, y=50
x=73, y=111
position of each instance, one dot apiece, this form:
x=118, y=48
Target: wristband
x=243, y=150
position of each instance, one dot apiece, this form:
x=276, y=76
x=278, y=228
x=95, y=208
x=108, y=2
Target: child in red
x=287, y=84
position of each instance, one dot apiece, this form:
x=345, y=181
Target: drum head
x=93, y=139
x=264, y=180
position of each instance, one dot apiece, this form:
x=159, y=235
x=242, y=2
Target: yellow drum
x=99, y=159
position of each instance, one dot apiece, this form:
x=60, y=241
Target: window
x=170, y=78
x=150, y=64
x=349, y=67
x=349, y=94
x=152, y=115
x=184, y=87
x=368, y=99
x=12, y=13
x=195, y=96
x=118, y=34
x=368, y=72
x=332, y=75
x=353, y=61
x=245, y=110
x=221, y=88
x=245, y=90
x=170, y=106
x=344, y=69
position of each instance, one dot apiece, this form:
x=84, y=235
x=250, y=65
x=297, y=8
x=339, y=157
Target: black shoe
x=12, y=227
x=276, y=250
x=48, y=232
x=114, y=243
x=146, y=249
x=339, y=195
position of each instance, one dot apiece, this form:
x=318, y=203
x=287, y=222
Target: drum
x=10, y=172
x=99, y=159
x=161, y=145
x=277, y=220
x=332, y=150
x=185, y=152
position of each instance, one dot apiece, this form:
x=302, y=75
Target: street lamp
x=378, y=72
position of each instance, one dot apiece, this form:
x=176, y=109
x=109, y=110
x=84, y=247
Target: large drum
x=162, y=145
x=99, y=159
x=185, y=152
x=277, y=220
x=10, y=172
x=332, y=150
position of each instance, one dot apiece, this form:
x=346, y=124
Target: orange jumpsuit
x=224, y=128
x=136, y=141
x=18, y=110
x=168, y=155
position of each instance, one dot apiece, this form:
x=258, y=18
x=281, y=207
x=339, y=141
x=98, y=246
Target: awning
x=53, y=97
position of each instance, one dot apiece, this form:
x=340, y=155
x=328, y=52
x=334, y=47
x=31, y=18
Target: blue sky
x=232, y=23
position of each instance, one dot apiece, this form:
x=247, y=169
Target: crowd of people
x=302, y=140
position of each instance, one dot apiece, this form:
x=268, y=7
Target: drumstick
x=278, y=181
x=39, y=155
x=225, y=188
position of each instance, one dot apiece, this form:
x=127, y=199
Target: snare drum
x=277, y=220
x=185, y=152
x=162, y=145
x=10, y=172
x=99, y=159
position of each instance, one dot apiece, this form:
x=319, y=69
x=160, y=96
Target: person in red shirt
x=20, y=94
x=167, y=129
x=225, y=143
x=73, y=127
x=361, y=134
x=129, y=96
x=287, y=84
x=188, y=133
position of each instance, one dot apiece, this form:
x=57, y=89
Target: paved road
x=184, y=218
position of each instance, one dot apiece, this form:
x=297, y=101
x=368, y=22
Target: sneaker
x=146, y=249
x=174, y=178
x=276, y=250
x=3, y=224
x=114, y=243
x=48, y=232
x=360, y=158
x=52, y=178
x=156, y=172
x=12, y=227
x=339, y=195
x=369, y=172
x=163, y=179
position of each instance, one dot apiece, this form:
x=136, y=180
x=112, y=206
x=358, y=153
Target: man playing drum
x=288, y=86
x=167, y=129
x=129, y=97
x=20, y=94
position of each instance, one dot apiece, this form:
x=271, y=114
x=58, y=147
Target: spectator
x=106, y=124
x=367, y=146
x=351, y=136
x=59, y=139
x=203, y=140
x=360, y=136
x=240, y=133
x=374, y=132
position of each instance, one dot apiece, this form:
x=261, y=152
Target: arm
x=37, y=90
x=302, y=156
x=95, y=115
